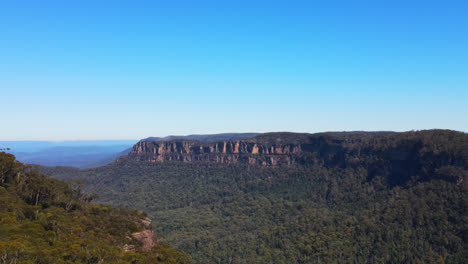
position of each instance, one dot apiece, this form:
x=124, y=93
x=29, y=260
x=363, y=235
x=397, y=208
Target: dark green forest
x=46, y=221
x=365, y=198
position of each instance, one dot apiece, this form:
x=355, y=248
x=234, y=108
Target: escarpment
x=338, y=149
x=220, y=152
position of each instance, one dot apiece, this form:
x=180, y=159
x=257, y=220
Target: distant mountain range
x=80, y=154
x=36, y=146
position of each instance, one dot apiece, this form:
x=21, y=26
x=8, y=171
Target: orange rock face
x=227, y=152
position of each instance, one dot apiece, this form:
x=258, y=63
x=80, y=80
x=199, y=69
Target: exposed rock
x=146, y=222
x=347, y=149
x=129, y=248
x=146, y=238
x=226, y=152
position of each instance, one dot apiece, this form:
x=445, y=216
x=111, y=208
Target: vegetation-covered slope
x=366, y=198
x=45, y=221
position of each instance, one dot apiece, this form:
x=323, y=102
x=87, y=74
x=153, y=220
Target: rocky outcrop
x=220, y=152
x=145, y=238
x=270, y=149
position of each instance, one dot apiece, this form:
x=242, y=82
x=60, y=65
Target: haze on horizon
x=112, y=70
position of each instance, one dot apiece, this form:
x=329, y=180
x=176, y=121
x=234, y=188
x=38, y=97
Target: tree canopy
x=44, y=221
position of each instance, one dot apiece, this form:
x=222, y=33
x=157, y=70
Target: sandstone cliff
x=270, y=149
x=219, y=152
x=345, y=149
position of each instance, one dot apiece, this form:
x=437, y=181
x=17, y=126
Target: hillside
x=43, y=221
x=347, y=198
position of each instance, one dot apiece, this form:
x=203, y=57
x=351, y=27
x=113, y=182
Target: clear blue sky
x=133, y=69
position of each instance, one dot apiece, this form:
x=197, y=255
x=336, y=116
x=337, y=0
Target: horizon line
x=196, y=134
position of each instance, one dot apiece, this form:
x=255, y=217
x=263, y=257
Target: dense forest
x=45, y=221
x=366, y=198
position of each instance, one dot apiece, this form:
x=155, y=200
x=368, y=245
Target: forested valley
x=385, y=198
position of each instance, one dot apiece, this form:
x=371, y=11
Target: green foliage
x=365, y=198
x=43, y=221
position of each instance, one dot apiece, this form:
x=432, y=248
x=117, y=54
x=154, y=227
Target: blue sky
x=132, y=69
